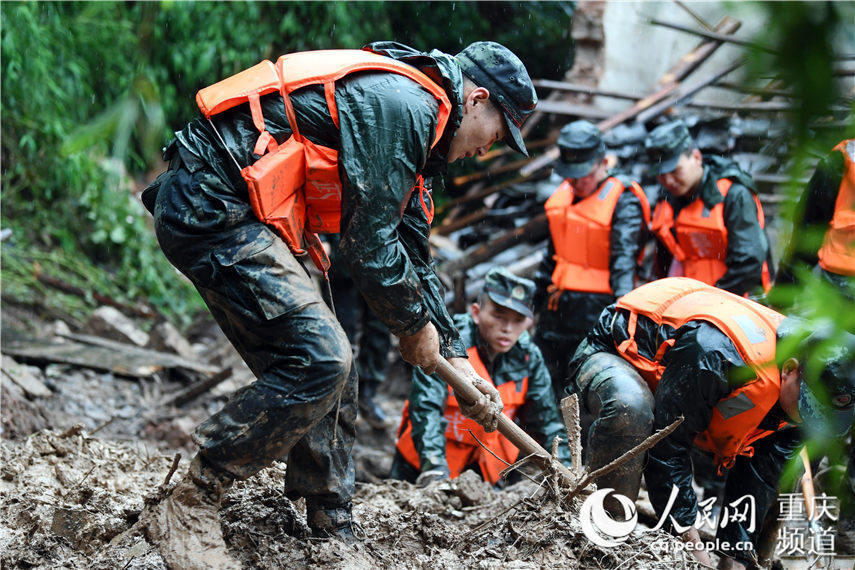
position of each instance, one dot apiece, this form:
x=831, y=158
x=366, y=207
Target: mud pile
x=71, y=500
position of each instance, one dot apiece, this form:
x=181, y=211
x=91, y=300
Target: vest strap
x=329, y=95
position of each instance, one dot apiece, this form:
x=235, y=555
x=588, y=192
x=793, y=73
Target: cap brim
x=666, y=166
x=510, y=303
x=514, y=138
x=822, y=420
x=575, y=170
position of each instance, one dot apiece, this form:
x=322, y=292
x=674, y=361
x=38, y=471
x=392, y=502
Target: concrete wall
x=638, y=53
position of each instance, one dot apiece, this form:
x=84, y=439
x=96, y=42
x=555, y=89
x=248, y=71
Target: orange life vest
x=295, y=187
x=461, y=447
x=837, y=254
x=701, y=241
x=580, y=234
x=752, y=328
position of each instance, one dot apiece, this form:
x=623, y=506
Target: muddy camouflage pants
x=369, y=337
x=613, y=393
x=270, y=310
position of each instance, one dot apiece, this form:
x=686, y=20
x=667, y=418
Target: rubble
x=73, y=502
x=110, y=323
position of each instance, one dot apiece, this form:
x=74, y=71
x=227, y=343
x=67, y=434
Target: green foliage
x=806, y=39
x=91, y=91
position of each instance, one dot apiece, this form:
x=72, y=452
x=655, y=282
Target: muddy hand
x=488, y=407
x=421, y=349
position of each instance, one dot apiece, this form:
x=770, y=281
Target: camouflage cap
x=827, y=390
x=506, y=289
x=582, y=147
x=494, y=67
x=665, y=144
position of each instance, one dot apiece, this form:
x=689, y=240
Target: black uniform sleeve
x=625, y=239
x=386, y=129
x=428, y=399
x=695, y=379
x=813, y=215
x=414, y=232
x=543, y=277
x=747, y=244
x=753, y=481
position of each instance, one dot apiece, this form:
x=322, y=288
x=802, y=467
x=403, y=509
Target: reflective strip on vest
x=461, y=447
x=581, y=234
x=837, y=253
x=752, y=328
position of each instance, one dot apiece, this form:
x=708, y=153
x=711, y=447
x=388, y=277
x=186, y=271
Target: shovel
x=463, y=389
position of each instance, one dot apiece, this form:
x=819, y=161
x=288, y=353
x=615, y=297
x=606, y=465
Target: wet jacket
x=747, y=247
x=814, y=212
x=539, y=414
x=387, y=123
x=577, y=310
x=702, y=368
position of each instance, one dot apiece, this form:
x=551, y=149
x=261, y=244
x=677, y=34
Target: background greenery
x=91, y=91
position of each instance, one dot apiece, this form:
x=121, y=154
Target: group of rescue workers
x=346, y=142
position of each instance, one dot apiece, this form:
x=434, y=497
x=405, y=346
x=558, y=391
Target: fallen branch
x=634, y=452
x=198, y=388
x=172, y=469
x=570, y=413
x=535, y=229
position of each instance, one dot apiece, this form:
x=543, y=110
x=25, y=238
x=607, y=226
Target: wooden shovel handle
x=465, y=390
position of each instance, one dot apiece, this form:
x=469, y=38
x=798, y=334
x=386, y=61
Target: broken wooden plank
x=462, y=222
x=669, y=83
x=102, y=354
x=583, y=89
x=535, y=229
x=490, y=172
x=685, y=93
x=83, y=355
x=19, y=374
x=483, y=193
x=165, y=359
x=712, y=35
x=199, y=388
x=572, y=109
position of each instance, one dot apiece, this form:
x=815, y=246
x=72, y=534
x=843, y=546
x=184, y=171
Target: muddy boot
x=370, y=411
x=336, y=522
x=185, y=525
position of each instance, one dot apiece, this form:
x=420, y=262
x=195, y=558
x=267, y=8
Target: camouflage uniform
x=369, y=337
x=429, y=394
x=302, y=406
x=262, y=297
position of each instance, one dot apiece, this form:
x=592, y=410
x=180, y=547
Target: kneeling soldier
x=735, y=370
x=435, y=441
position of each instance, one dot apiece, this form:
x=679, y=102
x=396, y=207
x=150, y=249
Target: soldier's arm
x=756, y=477
x=414, y=232
x=813, y=214
x=625, y=239
x=428, y=399
x=747, y=244
x=378, y=162
x=543, y=277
